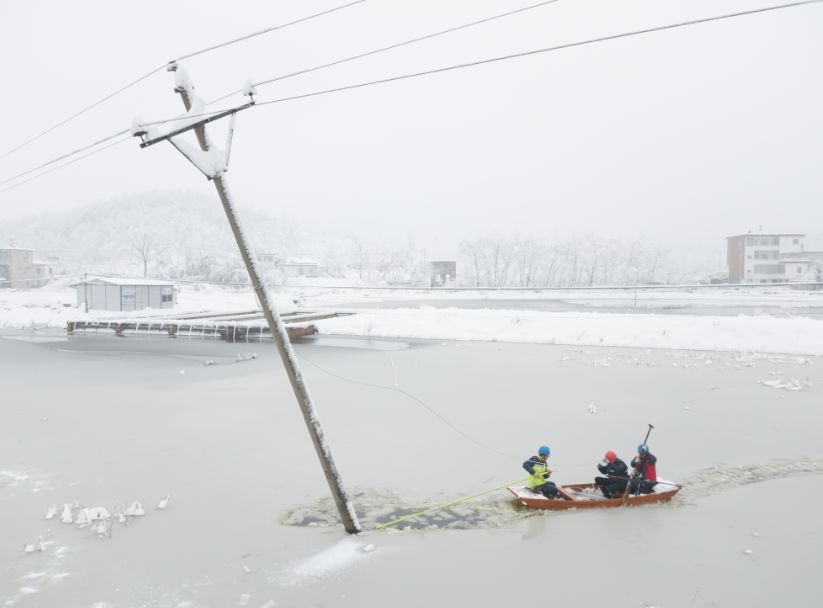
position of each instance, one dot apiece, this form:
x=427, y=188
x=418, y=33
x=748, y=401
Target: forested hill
x=180, y=233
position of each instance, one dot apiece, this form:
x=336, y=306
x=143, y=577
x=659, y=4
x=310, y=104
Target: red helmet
x=611, y=456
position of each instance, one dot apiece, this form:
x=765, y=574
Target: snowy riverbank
x=51, y=309
x=742, y=333
x=658, y=297
x=41, y=309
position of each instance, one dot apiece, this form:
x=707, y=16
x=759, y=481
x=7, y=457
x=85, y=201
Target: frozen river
x=106, y=421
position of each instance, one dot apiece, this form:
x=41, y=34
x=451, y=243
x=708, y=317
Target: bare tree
x=527, y=255
x=573, y=251
x=594, y=259
x=655, y=259
x=145, y=249
x=469, y=249
x=551, y=271
x=361, y=257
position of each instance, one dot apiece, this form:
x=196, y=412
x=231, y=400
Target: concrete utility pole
x=278, y=329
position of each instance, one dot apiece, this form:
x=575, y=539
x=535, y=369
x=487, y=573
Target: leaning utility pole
x=214, y=168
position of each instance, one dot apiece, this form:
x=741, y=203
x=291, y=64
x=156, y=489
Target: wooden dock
x=243, y=326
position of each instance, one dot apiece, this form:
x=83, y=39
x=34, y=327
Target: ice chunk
x=66, y=516
x=135, y=509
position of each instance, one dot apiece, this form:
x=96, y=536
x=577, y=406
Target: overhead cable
x=459, y=66
x=81, y=112
x=74, y=160
x=64, y=156
x=536, y=52
x=267, y=30
x=501, y=58
x=159, y=68
x=388, y=48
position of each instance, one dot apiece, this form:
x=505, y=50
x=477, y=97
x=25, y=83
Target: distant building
x=815, y=257
x=766, y=258
x=19, y=269
x=44, y=269
x=123, y=294
x=816, y=262
x=288, y=267
x=266, y=260
x=442, y=273
x=298, y=268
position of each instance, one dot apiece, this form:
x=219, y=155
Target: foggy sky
x=680, y=137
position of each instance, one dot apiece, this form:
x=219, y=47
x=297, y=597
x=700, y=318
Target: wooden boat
x=588, y=496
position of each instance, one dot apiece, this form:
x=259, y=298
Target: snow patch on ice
x=788, y=384
x=338, y=557
x=11, y=479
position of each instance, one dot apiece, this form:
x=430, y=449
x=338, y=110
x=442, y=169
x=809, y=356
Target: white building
x=288, y=267
x=123, y=294
x=298, y=268
x=766, y=258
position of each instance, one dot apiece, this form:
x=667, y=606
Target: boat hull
x=579, y=496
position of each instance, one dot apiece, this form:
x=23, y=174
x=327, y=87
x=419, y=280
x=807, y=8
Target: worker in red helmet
x=616, y=476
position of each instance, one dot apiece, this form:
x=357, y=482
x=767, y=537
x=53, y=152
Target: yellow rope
x=448, y=504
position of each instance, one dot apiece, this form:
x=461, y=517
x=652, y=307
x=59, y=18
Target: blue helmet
x=642, y=448
x=543, y=450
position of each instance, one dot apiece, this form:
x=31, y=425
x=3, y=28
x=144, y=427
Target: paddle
x=635, y=475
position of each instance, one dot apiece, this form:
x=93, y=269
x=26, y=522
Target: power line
x=388, y=48
x=450, y=68
x=536, y=52
x=83, y=111
x=431, y=410
x=267, y=30
x=502, y=58
x=64, y=156
x=74, y=160
x=157, y=69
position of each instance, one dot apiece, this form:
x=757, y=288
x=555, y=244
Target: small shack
x=298, y=268
x=442, y=273
x=124, y=294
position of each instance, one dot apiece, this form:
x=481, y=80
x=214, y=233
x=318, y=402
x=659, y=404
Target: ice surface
x=229, y=442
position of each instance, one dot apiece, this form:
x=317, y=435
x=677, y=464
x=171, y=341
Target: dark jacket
x=646, y=467
x=615, y=468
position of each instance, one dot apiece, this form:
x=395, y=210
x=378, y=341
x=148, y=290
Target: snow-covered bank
x=741, y=333
x=52, y=309
x=642, y=297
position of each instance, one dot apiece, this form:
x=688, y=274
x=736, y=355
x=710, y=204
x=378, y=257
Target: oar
x=660, y=483
x=649, y=432
x=634, y=474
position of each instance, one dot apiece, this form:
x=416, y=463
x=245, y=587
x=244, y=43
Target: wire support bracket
x=143, y=134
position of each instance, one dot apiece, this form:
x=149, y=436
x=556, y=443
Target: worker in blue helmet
x=538, y=481
x=644, y=464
